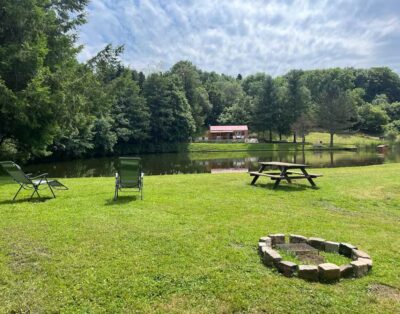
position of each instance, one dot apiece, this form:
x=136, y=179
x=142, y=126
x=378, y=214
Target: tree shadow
x=26, y=200
x=122, y=200
x=293, y=187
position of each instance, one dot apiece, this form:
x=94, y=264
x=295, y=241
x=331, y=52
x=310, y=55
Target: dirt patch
x=311, y=258
x=26, y=257
x=384, y=291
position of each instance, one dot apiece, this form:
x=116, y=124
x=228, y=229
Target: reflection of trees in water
x=154, y=164
x=94, y=167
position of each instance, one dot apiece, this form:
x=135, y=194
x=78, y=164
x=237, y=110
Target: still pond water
x=174, y=163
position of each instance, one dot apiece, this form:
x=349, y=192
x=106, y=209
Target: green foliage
x=237, y=114
x=37, y=41
x=171, y=118
x=392, y=110
x=380, y=80
x=52, y=104
x=265, y=108
x=335, y=105
x=129, y=110
x=189, y=80
x=372, y=119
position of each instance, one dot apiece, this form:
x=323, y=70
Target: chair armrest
x=40, y=176
x=142, y=175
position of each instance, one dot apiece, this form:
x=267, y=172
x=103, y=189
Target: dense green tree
x=131, y=116
x=171, y=118
x=195, y=92
x=297, y=99
x=37, y=42
x=237, y=114
x=304, y=124
x=264, y=111
x=379, y=80
x=372, y=119
x=392, y=130
x=283, y=117
x=253, y=84
x=392, y=110
x=380, y=100
x=335, y=110
x=223, y=93
x=80, y=98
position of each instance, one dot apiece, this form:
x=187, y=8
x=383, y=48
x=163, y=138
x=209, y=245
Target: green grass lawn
x=340, y=142
x=191, y=245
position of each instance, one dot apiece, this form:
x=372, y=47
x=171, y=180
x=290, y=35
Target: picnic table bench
x=285, y=173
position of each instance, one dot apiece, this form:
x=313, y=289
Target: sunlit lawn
x=191, y=245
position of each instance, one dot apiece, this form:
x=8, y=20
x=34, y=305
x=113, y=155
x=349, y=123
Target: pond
x=174, y=163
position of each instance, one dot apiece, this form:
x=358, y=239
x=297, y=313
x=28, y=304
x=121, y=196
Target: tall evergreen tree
x=336, y=111
x=171, y=118
x=265, y=107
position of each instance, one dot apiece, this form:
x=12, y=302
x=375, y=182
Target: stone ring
x=301, y=246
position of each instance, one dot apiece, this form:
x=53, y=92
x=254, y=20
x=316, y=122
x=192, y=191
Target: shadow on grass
x=26, y=200
x=123, y=200
x=287, y=187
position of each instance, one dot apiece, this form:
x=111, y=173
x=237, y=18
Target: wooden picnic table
x=285, y=173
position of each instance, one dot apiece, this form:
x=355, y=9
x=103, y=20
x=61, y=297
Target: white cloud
x=233, y=36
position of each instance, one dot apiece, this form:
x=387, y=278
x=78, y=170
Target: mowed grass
x=341, y=141
x=191, y=245
x=357, y=139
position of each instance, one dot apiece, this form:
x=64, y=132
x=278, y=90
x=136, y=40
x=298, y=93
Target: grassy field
x=340, y=142
x=191, y=245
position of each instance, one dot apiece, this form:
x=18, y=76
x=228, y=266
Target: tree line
x=52, y=104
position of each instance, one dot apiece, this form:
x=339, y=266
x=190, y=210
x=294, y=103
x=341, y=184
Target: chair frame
x=119, y=187
x=32, y=185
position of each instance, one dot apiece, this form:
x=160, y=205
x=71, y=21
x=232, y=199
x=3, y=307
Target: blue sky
x=246, y=36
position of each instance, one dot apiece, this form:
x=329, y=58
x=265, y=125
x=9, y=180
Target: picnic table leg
x=283, y=173
x=256, y=177
x=277, y=181
x=308, y=177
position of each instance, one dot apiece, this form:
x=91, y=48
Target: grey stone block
x=278, y=238
x=332, y=247
x=329, y=272
x=308, y=272
x=267, y=240
x=270, y=257
x=287, y=268
x=360, y=267
x=356, y=254
x=317, y=243
x=261, y=245
x=295, y=238
x=346, y=271
x=346, y=249
x=368, y=261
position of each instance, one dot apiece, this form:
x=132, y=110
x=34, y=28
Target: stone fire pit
x=307, y=250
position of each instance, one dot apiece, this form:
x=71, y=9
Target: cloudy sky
x=246, y=36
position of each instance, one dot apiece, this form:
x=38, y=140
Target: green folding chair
x=27, y=182
x=129, y=175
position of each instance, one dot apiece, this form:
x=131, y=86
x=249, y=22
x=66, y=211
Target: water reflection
x=155, y=164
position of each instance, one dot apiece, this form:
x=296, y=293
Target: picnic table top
x=283, y=164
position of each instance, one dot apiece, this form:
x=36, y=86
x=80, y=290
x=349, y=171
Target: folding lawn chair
x=129, y=175
x=27, y=182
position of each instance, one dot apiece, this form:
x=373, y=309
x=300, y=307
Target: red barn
x=228, y=132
